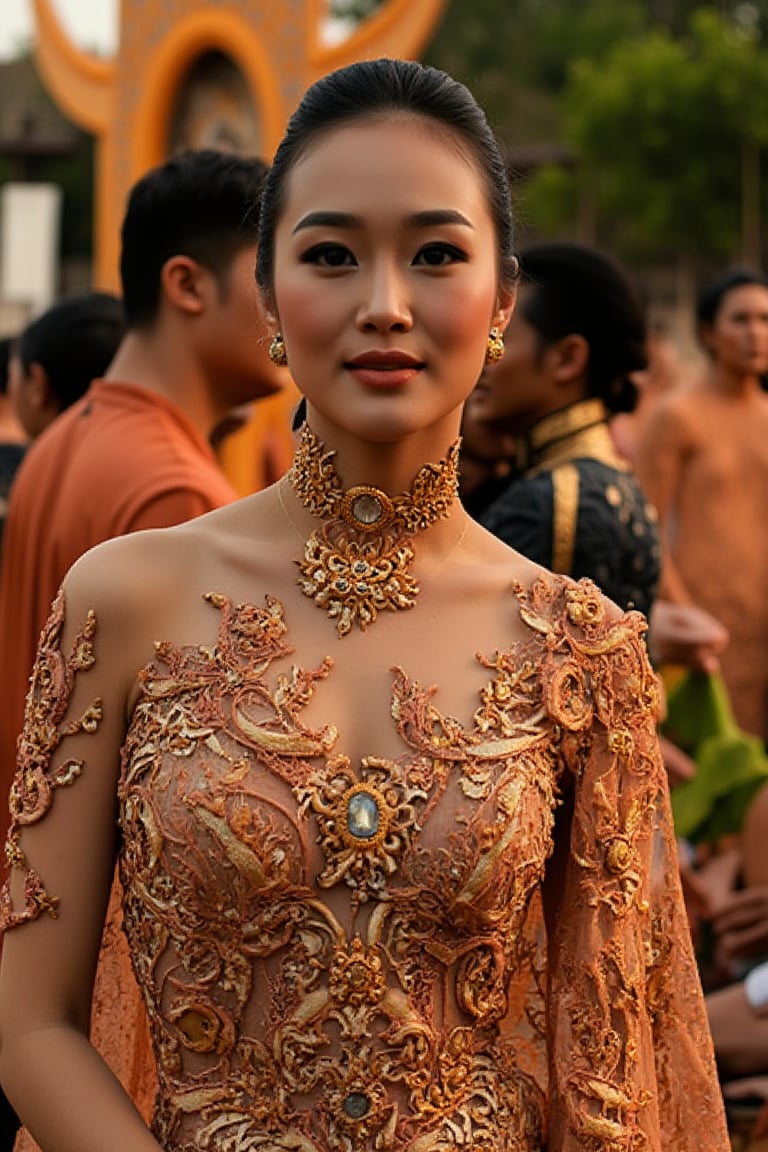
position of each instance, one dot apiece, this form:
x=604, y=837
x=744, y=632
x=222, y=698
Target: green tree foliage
x=352, y=10
x=514, y=54
x=664, y=131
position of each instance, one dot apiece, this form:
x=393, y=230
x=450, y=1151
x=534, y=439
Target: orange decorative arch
x=208, y=30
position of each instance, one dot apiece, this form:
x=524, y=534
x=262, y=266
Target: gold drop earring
x=277, y=351
x=495, y=349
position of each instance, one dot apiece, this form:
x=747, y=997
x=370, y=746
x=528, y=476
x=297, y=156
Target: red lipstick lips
x=384, y=368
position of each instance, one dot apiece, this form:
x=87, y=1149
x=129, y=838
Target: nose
x=385, y=305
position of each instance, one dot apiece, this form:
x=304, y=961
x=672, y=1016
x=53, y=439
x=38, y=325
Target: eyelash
x=315, y=254
x=318, y=254
x=457, y=256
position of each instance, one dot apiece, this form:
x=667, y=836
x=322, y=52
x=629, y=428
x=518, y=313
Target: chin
x=377, y=427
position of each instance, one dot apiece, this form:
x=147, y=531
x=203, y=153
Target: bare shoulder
x=150, y=585
x=130, y=587
x=154, y=562
x=680, y=406
x=119, y=573
x=501, y=564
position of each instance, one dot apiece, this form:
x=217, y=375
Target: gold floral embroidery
x=36, y=780
x=339, y=956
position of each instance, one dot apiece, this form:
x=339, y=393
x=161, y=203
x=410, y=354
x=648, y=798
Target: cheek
x=308, y=317
x=461, y=321
x=729, y=343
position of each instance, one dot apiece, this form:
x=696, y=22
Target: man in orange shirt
x=134, y=452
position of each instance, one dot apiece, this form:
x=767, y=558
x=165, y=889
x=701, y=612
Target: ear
x=39, y=393
x=269, y=313
x=704, y=333
x=570, y=358
x=185, y=284
x=505, y=306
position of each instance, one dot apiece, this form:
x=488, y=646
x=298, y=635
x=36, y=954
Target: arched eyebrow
x=430, y=218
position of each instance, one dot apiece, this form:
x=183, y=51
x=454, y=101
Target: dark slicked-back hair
x=713, y=292
x=577, y=290
x=75, y=341
x=202, y=204
x=373, y=89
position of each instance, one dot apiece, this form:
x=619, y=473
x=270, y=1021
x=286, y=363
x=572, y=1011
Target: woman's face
x=385, y=278
x=738, y=337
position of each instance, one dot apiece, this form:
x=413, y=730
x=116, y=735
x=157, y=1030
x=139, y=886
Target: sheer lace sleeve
x=630, y=1053
x=39, y=773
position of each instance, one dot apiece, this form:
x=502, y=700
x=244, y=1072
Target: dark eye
x=438, y=255
x=329, y=256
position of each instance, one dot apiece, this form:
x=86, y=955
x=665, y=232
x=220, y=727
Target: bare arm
x=741, y=923
x=659, y=464
x=685, y=634
x=62, y=845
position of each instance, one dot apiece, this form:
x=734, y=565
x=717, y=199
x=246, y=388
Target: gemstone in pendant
x=362, y=816
x=356, y=1105
x=367, y=509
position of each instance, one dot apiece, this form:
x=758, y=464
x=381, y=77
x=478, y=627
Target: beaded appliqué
x=357, y=564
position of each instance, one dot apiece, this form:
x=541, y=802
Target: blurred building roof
x=30, y=123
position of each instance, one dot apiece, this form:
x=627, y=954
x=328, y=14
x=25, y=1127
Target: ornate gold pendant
x=354, y=577
x=357, y=564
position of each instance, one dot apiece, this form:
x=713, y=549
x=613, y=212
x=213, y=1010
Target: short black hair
x=75, y=341
x=580, y=290
x=202, y=204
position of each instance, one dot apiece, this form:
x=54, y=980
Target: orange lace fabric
x=339, y=956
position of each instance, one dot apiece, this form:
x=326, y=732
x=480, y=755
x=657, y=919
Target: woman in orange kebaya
x=392, y=823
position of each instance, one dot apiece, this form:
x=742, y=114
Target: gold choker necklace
x=357, y=563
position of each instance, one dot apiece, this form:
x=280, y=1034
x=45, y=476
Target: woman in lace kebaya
x=391, y=820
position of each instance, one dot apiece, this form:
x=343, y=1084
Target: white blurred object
x=30, y=216
x=756, y=986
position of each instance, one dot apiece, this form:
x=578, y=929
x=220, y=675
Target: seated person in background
x=733, y=896
x=572, y=504
x=60, y=353
x=738, y=1013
